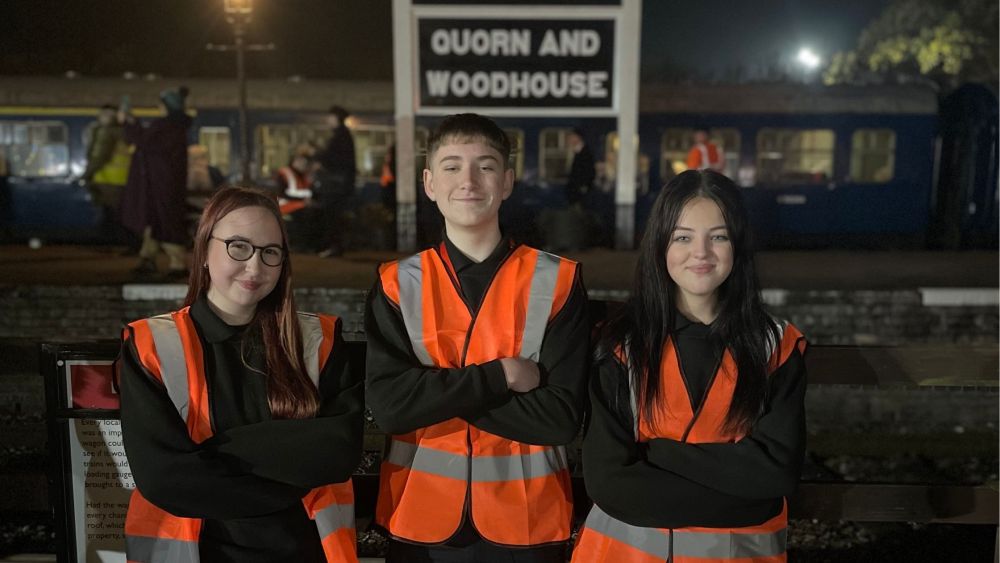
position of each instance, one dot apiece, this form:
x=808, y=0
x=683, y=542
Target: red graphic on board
x=92, y=387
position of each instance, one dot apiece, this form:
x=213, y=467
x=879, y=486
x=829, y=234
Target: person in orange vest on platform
x=477, y=361
x=241, y=419
x=704, y=155
x=294, y=181
x=697, y=427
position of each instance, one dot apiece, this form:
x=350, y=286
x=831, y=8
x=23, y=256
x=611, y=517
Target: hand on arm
x=521, y=374
x=308, y=452
x=550, y=413
x=405, y=395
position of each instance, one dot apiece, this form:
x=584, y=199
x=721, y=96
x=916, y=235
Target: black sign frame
x=53, y=358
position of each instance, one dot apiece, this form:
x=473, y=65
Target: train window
x=370, y=145
x=674, y=146
x=678, y=141
x=794, y=156
x=276, y=142
x=873, y=155
x=34, y=148
x=554, y=155
x=420, y=137
x=728, y=141
x=216, y=142
x=516, y=137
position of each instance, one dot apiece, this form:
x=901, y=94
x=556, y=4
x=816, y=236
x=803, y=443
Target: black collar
x=688, y=327
x=212, y=328
x=460, y=261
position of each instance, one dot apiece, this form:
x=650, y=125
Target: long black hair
x=639, y=329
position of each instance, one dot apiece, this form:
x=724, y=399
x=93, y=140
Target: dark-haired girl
x=697, y=430
x=240, y=418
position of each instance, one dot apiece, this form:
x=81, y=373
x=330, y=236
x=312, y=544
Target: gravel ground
x=809, y=541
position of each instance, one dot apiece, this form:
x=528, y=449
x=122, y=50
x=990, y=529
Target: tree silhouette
x=941, y=43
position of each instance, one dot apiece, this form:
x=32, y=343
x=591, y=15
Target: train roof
x=785, y=98
x=377, y=96
x=305, y=95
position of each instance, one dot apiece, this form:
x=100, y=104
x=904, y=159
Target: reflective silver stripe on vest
x=334, y=517
x=729, y=545
x=411, y=305
x=774, y=347
x=541, y=295
x=173, y=367
x=428, y=460
x=485, y=469
x=312, y=339
x=633, y=392
x=144, y=549
x=648, y=540
x=709, y=545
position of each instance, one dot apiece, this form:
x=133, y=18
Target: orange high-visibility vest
x=297, y=185
x=520, y=493
x=704, y=156
x=170, y=350
x=605, y=539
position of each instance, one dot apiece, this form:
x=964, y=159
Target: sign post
x=557, y=59
x=90, y=481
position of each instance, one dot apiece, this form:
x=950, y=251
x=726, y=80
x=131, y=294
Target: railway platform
x=603, y=269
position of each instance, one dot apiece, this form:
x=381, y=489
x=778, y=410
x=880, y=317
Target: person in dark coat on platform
x=334, y=186
x=582, y=171
x=154, y=198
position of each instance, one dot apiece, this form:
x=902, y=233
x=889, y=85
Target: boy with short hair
x=477, y=361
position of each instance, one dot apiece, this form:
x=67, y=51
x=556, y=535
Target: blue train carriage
x=44, y=126
x=821, y=166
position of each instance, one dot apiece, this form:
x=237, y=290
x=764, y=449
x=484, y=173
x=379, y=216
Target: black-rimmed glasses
x=241, y=251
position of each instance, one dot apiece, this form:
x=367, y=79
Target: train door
x=965, y=213
x=796, y=166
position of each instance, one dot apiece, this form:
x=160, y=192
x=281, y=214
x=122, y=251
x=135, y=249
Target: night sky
x=351, y=39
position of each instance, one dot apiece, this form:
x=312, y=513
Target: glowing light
x=808, y=59
x=238, y=7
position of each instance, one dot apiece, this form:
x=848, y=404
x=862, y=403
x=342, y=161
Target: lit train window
x=276, y=142
x=217, y=141
x=34, y=149
x=554, y=155
x=674, y=146
x=678, y=141
x=370, y=145
x=873, y=155
x=728, y=141
x=516, y=137
x=794, y=156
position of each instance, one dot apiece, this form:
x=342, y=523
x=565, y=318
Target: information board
x=91, y=481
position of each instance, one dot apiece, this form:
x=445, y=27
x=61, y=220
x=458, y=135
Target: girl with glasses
x=241, y=420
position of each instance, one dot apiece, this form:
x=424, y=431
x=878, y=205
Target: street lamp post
x=238, y=14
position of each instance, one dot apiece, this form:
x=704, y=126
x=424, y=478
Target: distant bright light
x=808, y=58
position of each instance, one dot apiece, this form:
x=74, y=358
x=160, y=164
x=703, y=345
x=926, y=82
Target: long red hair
x=290, y=392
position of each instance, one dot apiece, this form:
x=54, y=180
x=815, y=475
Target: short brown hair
x=469, y=127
